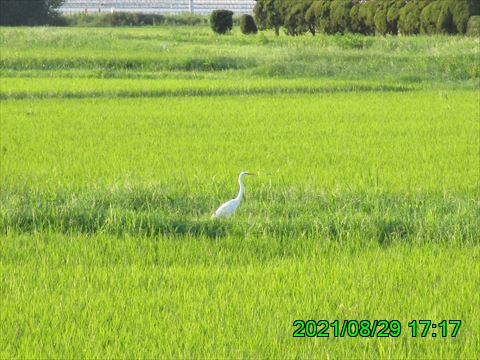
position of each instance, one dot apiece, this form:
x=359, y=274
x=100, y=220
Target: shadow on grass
x=212, y=91
x=118, y=224
x=140, y=211
x=390, y=231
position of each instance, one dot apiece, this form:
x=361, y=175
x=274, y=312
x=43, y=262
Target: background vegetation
x=28, y=12
x=247, y=25
x=131, y=19
x=296, y=17
x=221, y=21
x=366, y=16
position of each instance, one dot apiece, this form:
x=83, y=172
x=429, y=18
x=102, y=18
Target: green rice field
x=118, y=144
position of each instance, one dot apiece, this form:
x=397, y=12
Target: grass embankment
x=195, y=52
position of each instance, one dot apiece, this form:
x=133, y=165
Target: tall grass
x=143, y=297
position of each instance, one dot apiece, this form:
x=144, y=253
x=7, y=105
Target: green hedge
x=473, y=26
x=366, y=16
x=221, y=21
x=247, y=25
x=132, y=19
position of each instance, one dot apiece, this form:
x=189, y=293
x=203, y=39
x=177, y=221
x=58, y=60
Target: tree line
x=367, y=17
x=29, y=12
x=298, y=17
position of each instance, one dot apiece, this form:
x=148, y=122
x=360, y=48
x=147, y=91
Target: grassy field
x=116, y=146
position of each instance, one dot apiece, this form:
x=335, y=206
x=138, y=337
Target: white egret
x=227, y=209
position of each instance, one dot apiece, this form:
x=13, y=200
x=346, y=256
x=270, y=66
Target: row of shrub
x=221, y=22
x=296, y=17
x=132, y=19
x=368, y=17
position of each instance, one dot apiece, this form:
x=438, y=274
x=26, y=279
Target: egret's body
x=228, y=209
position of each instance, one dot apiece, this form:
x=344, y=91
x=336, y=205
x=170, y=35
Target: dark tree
x=461, y=11
x=221, y=21
x=268, y=14
x=294, y=15
x=321, y=9
x=473, y=26
x=366, y=14
x=429, y=18
x=409, y=18
x=247, y=24
x=260, y=14
x=28, y=12
x=340, y=16
x=444, y=22
x=393, y=14
x=311, y=19
x=358, y=26
x=380, y=20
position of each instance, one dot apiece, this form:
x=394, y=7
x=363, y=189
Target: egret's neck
x=242, y=188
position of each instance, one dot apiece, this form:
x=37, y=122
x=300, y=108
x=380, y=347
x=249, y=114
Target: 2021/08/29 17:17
x=378, y=328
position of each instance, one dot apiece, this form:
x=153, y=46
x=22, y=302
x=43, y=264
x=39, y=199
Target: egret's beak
x=253, y=174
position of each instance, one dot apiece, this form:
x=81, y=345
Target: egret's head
x=244, y=173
